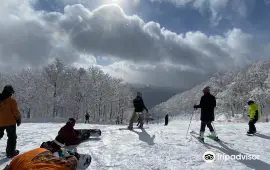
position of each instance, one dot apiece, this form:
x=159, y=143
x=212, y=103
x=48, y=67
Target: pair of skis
x=196, y=135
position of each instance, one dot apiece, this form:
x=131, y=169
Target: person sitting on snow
x=254, y=115
x=70, y=136
x=43, y=158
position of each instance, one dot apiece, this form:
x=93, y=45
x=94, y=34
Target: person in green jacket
x=254, y=115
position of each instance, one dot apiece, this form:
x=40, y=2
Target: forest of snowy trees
x=61, y=91
x=232, y=90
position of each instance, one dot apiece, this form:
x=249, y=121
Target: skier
x=70, y=136
x=166, y=119
x=43, y=158
x=87, y=118
x=9, y=117
x=207, y=105
x=254, y=115
x=139, y=107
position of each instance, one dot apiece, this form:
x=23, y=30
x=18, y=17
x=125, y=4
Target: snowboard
x=83, y=162
x=133, y=128
x=252, y=134
x=89, y=132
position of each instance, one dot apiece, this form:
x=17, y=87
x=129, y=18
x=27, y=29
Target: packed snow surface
x=158, y=147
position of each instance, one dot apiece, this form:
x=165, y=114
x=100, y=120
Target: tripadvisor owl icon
x=209, y=157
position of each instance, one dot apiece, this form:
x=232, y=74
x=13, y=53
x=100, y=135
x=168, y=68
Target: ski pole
x=214, y=128
x=189, y=123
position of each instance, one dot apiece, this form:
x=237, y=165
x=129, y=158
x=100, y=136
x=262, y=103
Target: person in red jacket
x=69, y=135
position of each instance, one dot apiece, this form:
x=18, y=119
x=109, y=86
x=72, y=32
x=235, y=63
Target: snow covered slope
x=232, y=90
x=158, y=147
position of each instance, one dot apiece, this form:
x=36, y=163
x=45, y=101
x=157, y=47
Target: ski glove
x=74, y=154
x=195, y=106
x=19, y=122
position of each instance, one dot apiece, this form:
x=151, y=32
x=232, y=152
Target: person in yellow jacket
x=254, y=115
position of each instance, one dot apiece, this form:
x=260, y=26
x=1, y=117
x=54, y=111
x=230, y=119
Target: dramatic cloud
x=141, y=52
x=219, y=9
x=166, y=74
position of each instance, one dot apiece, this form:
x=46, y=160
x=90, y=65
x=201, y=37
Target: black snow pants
x=208, y=124
x=12, y=138
x=251, y=124
x=166, y=121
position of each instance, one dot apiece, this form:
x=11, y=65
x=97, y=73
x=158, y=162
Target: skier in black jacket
x=207, y=105
x=139, y=107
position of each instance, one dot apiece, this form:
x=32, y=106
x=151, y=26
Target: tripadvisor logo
x=209, y=157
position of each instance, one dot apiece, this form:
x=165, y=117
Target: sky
x=166, y=43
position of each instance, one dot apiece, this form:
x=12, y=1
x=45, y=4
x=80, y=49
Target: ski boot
x=16, y=152
x=201, y=137
x=214, y=136
x=251, y=132
x=130, y=128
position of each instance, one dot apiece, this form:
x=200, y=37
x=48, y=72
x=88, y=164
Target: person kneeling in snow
x=70, y=136
x=43, y=158
x=254, y=115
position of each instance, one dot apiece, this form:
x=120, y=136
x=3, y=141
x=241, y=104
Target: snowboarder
x=254, y=115
x=43, y=158
x=139, y=107
x=9, y=117
x=71, y=136
x=87, y=117
x=207, y=105
x=166, y=119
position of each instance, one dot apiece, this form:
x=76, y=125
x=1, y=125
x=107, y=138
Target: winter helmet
x=8, y=89
x=52, y=145
x=250, y=102
x=59, y=141
x=206, y=89
x=71, y=122
x=139, y=94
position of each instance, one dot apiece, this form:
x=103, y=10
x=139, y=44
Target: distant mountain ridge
x=154, y=95
x=232, y=90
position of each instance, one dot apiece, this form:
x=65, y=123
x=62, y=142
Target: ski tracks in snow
x=156, y=148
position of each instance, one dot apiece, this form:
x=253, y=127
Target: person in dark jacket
x=207, y=105
x=87, y=116
x=139, y=107
x=166, y=119
x=9, y=117
x=69, y=135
